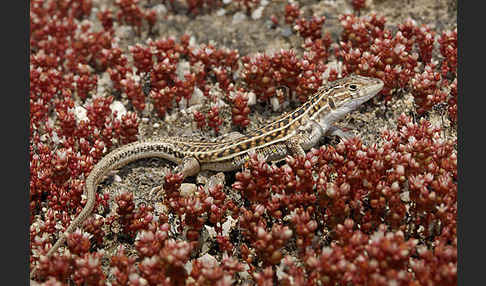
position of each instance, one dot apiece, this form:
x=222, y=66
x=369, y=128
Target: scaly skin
x=290, y=134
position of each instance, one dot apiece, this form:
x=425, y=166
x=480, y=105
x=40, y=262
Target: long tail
x=113, y=160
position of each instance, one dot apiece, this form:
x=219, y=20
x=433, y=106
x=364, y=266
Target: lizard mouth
x=373, y=89
x=376, y=87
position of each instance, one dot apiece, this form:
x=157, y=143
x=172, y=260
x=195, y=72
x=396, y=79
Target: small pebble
x=229, y=224
x=104, y=81
x=183, y=104
x=160, y=207
x=117, y=178
x=208, y=260
x=286, y=32
x=275, y=103
x=44, y=137
x=55, y=138
x=187, y=189
x=257, y=13
x=217, y=179
x=212, y=233
x=221, y=12
x=197, y=97
x=183, y=67
x=220, y=103
x=119, y=108
x=405, y=196
x=170, y=117
x=125, y=32
x=160, y=9
x=238, y=17
x=80, y=114
x=281, y=273
x=251, y=98
x=202, y=180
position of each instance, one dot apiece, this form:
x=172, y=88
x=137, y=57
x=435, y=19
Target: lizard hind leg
x=189, y=167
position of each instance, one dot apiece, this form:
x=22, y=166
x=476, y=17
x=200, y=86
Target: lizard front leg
x=306, y=138
x=189, y=167
x=318, y=130
x=294, y=145
x=336, y=131
x=310, y=135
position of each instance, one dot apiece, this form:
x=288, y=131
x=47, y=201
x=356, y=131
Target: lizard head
x=346, y=94
x=354, y=90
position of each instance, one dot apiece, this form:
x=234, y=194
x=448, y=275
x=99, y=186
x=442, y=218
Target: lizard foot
x=336, y=131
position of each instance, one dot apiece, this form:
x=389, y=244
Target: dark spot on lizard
x=331, y=103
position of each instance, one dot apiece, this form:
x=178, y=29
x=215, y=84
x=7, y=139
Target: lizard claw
x=336, y=131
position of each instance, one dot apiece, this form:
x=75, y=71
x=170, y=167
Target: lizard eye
x=352, y=87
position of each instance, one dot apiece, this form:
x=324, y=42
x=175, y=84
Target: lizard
x=290, y=134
